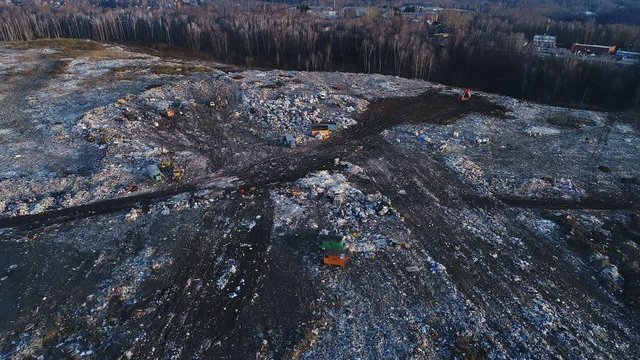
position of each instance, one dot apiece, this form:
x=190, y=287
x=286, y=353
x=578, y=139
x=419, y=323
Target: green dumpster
x=333, y=245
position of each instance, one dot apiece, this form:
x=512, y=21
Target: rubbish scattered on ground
x=289, y=141
x=132, y=215
x=424, y=221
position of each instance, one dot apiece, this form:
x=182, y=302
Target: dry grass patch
x=67, y=48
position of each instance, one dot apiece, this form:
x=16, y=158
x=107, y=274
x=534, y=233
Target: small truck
x=320, y=131
x=154, y=172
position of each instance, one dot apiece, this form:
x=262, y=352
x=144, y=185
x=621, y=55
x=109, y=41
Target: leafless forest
x=486, y=48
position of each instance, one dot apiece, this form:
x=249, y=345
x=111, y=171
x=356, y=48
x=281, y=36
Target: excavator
x=466, y=95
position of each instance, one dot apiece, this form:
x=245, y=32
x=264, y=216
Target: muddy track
x=18, y=95
x=427, y=108
x=589, y=203
x=383, y=114
x=214, y=315
x=602, y=143
x=91, y=209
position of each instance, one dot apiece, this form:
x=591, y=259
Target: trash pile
x=511, y=156
x=292, y=102
x=470, y=281
x=542, y=315
x=365, y=223
x=100, y=140
x=283, y=104
x=468, y=171
x=107, y=119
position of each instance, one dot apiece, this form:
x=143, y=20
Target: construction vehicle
x=166, y=165
x=320, y=131
x=466, y=95
x=177, y=174
x=336, y=260
x=296, y=191
x=321, y=134
x=331, y=126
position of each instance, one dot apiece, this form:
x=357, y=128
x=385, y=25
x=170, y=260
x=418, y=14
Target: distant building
x=415, y=8
x=411, y=16
x=428, y=17
x=628, y=57
x=431, y=16
x=323, y=11
x=330, y=14
x=352, y=12
x=586, y=49
x=544, y=41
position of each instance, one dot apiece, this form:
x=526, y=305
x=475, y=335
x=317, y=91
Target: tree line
x=483, y=50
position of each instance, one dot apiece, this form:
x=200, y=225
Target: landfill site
x=163, y=207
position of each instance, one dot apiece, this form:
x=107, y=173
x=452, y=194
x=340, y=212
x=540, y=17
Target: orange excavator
x=466, y=95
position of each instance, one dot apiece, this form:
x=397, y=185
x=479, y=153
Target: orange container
x=335, y=260
x=324, y=133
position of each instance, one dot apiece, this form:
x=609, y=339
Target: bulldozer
x=466, y=95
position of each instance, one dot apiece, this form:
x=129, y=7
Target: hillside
x=487, y=228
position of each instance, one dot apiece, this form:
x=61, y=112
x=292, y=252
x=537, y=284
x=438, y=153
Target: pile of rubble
x=283, y=104
x=292, y=102
x=366, y=222
x=97, y=141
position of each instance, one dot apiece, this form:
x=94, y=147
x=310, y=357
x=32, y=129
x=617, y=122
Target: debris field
x=150, y=209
